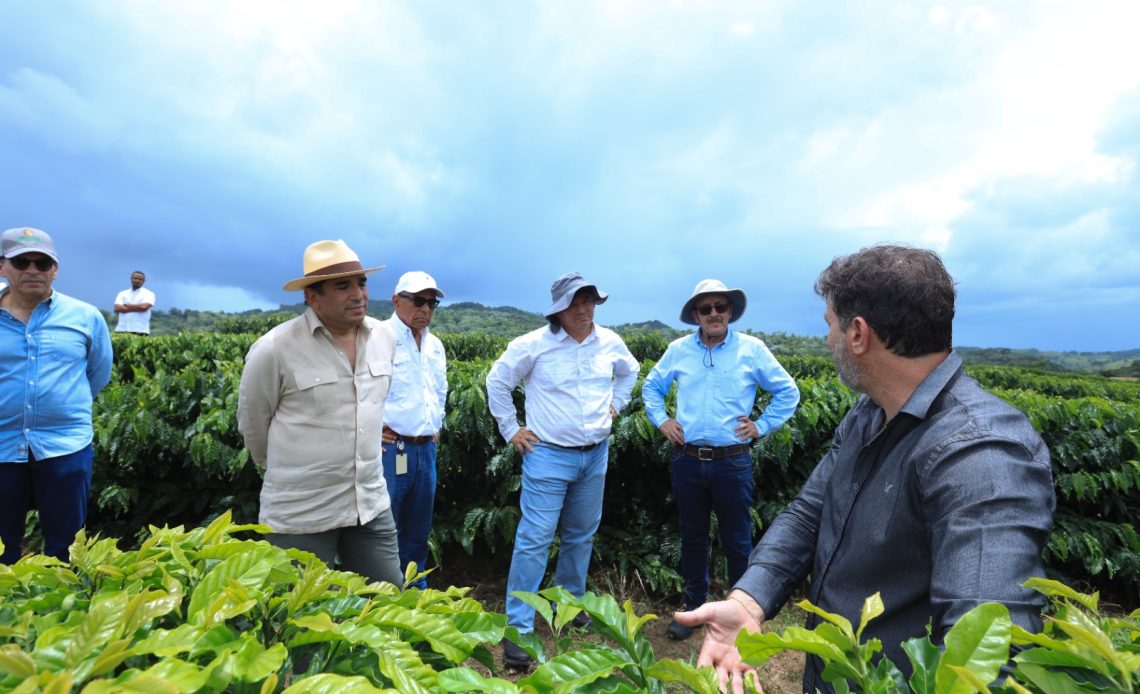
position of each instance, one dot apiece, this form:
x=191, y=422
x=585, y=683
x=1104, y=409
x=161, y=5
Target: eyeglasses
x=419, y=301
x=706, y=309
x=21, y=263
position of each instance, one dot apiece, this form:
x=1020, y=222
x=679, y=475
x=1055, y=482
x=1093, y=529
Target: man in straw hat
x=576, y=376
x=55, y=357
x=413, y=414
x=934, y=492
x=717, y=371
x=310, y=407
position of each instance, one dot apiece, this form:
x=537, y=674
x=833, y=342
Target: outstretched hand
x=723, y=621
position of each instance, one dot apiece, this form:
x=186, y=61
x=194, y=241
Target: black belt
x=587, y=447
x=414, y=440
x=713, y=452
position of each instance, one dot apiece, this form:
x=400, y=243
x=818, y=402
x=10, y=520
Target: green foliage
x=205, y=611
x=166, y=425
x=1079, y=650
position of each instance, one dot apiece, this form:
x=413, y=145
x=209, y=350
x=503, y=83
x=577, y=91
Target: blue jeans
x=413, y=501
x=556, y=483
x=58, y=488
x=726, y=486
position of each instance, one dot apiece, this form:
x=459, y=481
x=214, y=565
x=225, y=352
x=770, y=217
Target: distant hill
x=507, y=321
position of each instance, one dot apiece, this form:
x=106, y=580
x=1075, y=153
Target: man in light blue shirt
x=413, y=415
x=576, y=376
x=55, y=357
x=717, y=371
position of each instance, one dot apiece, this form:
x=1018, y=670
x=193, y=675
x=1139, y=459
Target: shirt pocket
x=374, y=386
x=319, y=385
x=555, y=373
x=64, y=346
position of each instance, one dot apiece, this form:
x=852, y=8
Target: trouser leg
x=62, y=487
x=694, y=503
x=581, y=515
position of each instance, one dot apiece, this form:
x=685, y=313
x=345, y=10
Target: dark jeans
x=58, y=488
x=700, y=487
x=413, y=501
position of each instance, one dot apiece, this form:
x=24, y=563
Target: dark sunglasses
x=419, y=301
x=709, y=308
x=22, y=263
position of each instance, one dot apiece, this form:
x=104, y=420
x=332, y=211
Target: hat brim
x=564, y=302
x=736, y=299
x=302, y=282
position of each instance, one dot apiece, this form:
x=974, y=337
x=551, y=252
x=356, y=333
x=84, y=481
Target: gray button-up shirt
x=313, y=423
x=947, y=506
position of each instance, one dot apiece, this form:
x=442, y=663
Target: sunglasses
x=419, y=301
x=706, y=309
x=22, y=263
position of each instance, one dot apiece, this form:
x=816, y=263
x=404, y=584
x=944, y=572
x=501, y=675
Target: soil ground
x=781, y=675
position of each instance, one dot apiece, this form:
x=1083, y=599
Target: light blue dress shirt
x=51, y=369
x=716, y=386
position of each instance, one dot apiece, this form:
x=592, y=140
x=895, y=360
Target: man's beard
x=848, y=370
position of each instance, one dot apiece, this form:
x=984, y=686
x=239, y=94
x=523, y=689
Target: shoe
x=514, y=657
x=678, y=631
x=582, y=620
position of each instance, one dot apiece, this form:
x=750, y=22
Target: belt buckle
x=704, y=453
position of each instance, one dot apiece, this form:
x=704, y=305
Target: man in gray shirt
x=935, y=493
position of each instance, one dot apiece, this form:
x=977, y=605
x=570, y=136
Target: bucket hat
x=326, y=260
x=565, y=287
x=735, y=297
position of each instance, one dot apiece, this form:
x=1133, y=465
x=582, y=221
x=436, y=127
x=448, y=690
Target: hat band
x=337, y=269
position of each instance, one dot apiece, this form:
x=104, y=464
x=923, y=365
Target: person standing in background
x=133, y=306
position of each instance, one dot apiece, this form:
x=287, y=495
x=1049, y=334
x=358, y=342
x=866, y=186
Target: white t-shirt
x=135, y=321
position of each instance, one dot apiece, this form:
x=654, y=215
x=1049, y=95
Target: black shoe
x=514, y=657
x=678, y=631
x=582, y=620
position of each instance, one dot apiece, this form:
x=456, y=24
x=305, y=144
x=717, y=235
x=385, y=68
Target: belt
x=587, y=447
x=713, y=452
x=414, y=440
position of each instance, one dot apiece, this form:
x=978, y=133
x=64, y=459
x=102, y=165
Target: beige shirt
x=314, y=424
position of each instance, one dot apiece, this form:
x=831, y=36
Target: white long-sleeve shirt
x=418, y=394
x=569, y=386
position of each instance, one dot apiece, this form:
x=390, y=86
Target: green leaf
x=248, y=568
x=1056, y=589
x=838, y=620
x=254, y=662
x=979, y=642
x=464, y=679
x=700, y=680
x=872, y=607
x=15, y=661
x=1052, y=681
x=756, y=648
x=334, y=684
x=169, y=642
x=538, y=602
x=575, y=669
x=924, y=658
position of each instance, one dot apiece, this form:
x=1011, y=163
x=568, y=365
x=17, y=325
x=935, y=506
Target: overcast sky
x=647, y=144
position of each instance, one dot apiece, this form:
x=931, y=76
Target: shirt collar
x=729, y=338
x=920, y=401
x=562, y=335
x=313, y=323
x=402, y=329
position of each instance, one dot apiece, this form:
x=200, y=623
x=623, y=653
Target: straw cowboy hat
x=328, y=260
x=565, y=287
x=736, y=299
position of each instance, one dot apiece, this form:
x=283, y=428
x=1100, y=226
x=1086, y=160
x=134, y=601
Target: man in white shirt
x=310, y=407
x=413, y=415
x=133, y=306
x=577, y=376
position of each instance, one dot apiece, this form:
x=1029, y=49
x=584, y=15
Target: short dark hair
x=905, y=294
x=555, y=324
